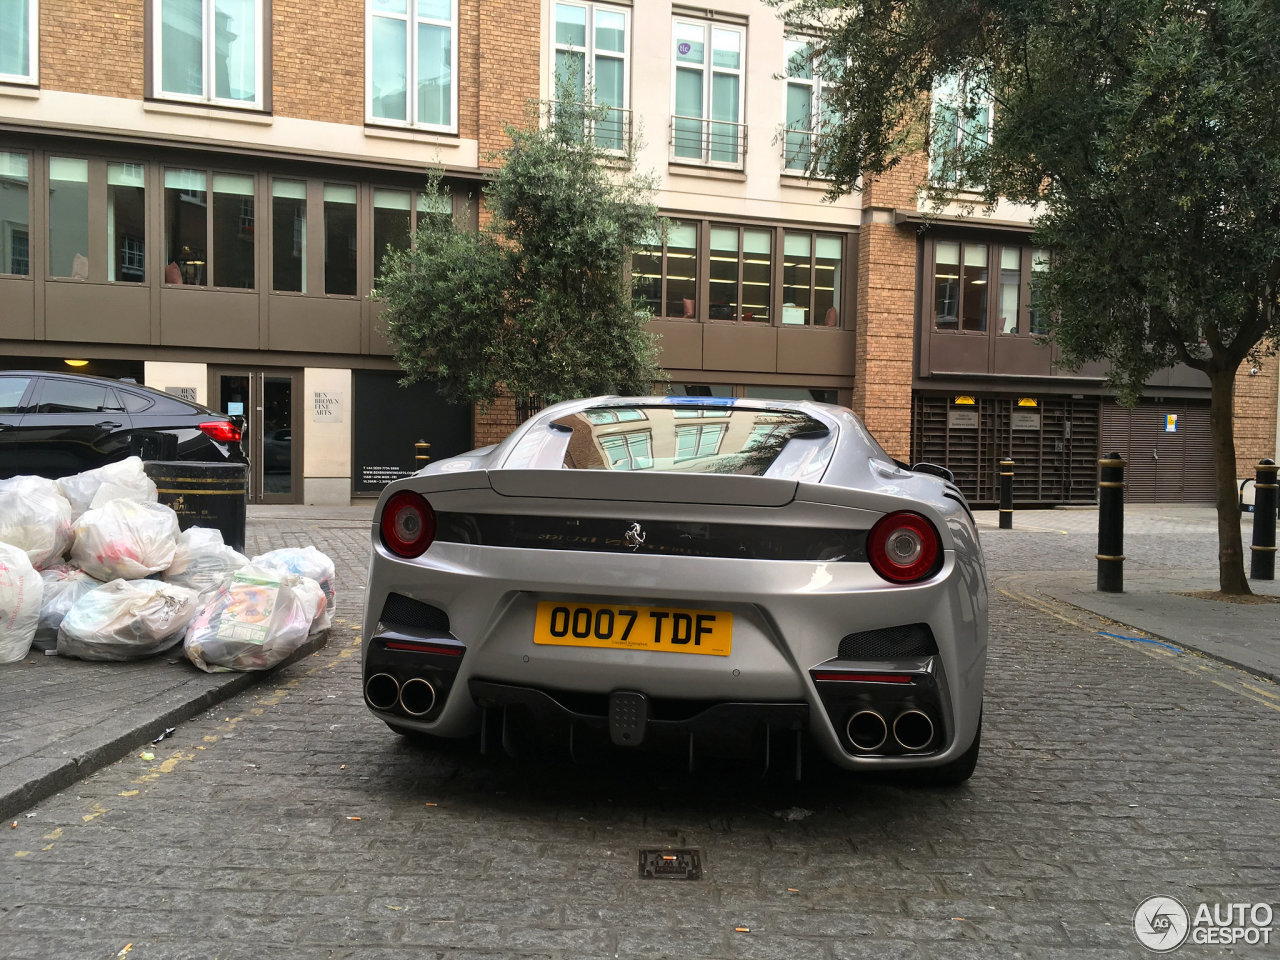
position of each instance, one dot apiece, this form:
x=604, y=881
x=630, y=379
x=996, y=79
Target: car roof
x=107, y=381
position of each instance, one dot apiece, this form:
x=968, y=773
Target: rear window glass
x=11, y=391
x=134, y=402
x=683, y=437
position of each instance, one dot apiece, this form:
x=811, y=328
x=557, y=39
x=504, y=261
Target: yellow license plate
x=621, y=627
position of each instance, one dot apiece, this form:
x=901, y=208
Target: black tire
x=957, y=771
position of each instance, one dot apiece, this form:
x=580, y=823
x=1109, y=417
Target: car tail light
x=222, y=431
x=408, y=524
x=904, y=547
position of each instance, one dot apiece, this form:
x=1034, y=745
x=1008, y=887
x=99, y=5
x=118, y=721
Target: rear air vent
x=889, y=643
x=662, y=537
x=401, y=611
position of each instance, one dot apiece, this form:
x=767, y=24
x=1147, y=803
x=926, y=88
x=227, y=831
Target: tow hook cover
x=628, y=717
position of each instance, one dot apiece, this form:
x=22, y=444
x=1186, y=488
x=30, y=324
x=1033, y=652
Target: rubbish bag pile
x=94, y=564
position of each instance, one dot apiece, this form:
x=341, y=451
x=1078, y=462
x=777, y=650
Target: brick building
x=194, y=194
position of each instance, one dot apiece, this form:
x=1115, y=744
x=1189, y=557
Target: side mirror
x=935, y=471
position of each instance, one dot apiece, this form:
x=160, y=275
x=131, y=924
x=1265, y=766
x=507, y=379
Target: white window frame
x=411, y=20
x=959, y=95
x=32, y=77
x=816, y=85
x=207, y=51
x=709, y=69
x=590, y=54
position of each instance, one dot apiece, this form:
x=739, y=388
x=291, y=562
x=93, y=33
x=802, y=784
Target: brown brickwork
x=317, y=54
x=507, y=69
x=492, y=425
x=92, y=46
x=886, y=309
x=1255, y=414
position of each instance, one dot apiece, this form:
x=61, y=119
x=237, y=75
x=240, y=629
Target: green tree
x=1146, y=131
x=537, y=303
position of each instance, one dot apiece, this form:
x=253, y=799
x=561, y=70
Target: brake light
x=408, y=524
x=904, y=547
x=222, y=431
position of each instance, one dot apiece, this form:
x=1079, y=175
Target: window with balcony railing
x=807, y=110
x=706, y=123
x=592, y=52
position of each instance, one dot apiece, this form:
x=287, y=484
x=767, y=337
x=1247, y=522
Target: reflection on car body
x=703, y=575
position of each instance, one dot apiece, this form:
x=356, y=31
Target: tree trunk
x=1231, y=578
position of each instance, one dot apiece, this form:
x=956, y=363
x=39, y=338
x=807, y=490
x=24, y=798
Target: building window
x=1039, y=268
x=1010, y=289
x=811, y=278
x=961, y=127
x=19, y=45
x=126, y=223
x=210, y=51
x=628, y=451
x=707, y=113
x=698, y=440
x=746, y=279
x=740, y=273
x=665, y=274
x=15, y=214
x=191, y=233
x=289, y=236
x=340, y=239
x=591, y=51
x=960, y=285
x=806, y=107
x=412, y=56
x=396, y=217
x=69, y=218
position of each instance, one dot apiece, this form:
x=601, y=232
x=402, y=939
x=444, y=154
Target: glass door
x=266, y=401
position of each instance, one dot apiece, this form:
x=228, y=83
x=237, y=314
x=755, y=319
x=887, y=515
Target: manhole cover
x=670, y=865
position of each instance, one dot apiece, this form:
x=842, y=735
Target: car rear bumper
x=789, y=619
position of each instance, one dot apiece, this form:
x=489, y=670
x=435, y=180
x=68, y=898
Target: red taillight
x=408, y=524
x=904, y=547
x=223, y=431
x=848, y=676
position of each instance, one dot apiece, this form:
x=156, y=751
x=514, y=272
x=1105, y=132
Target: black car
x=57, y=424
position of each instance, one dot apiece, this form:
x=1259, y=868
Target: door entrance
x=265, y=398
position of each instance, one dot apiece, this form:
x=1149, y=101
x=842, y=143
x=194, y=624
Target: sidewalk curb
x=85, y=754
x=1020, y=592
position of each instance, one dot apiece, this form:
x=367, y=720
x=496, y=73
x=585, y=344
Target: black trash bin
x=204, y=494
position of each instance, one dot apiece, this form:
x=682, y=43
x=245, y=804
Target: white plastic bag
x=20, y=591
x=254, y=622
x=125, y=540
x=305, y=562
x=123, y=480
x=202, y=561
x=35, y=517
x=64, y=584
x=126, y=620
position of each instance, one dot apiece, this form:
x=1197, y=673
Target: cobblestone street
x=287, y=822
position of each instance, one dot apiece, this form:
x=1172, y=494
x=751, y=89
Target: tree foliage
x=1148, y=134
x=538, y=302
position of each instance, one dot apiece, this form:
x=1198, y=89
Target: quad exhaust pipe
x=417, y=697
x=867, y=730
x=382, y=691
x=913, y=730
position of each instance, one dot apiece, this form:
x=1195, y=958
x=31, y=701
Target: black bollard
x=1262, y=566
x=1006, y=494
x=1111, y=525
